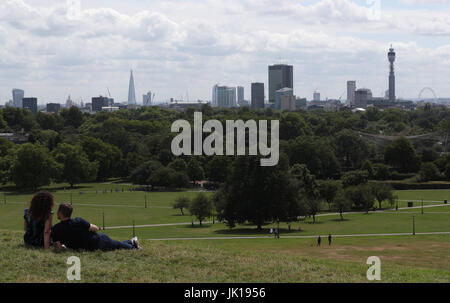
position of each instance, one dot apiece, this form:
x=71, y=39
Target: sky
x=180, y=48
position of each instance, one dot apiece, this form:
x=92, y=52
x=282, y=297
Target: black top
x=75, y=234
x=34, y=234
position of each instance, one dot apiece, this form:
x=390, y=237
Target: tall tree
x=401, y=154
x=33, y=167
x=201, y=207
x=76, y=167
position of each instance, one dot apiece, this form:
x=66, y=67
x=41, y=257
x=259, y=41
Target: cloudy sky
x=181, y=48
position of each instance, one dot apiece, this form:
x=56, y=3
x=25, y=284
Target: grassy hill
x=276, y=261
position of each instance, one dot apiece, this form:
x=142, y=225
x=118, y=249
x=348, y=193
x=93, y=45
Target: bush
x=429, y=172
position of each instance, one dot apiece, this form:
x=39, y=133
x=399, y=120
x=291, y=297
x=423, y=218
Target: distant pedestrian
x=329, y=240
x=319, y=241
x=271, y=231
x=277, y=234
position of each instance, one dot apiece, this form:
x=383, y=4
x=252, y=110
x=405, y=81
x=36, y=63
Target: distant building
x=69, y=102
x=391, y=58
x=226, y=96
x=17, y=138
x=351, y=88
x=301, y=103
x=288, y=102
x=214, y=102
x=362, y=97
x=18, y=95
x=286, y=91
x=131, y=91
x=98, y=103
x=147, y=99
x=53, y=108
x=240, y=95
x=31, y=104
x=257, y=96
x=280, y=76
x=316, y=96
x=110, y=109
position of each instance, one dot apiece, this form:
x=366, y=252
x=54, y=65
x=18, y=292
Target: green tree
x=106, y=155
x=341, y=203
x=195, y=171
x=218, y=169
x=141, y=175
x=351, y=148
x=76, y=167
x=429, y=172
x=33, y=167
x=181, y=203
x=355, y=178
x=201, y=207
x=360, y=196
x=72, y=117
x=367, y=166
x=328, y=191
x=401, y=154
x=382, y=192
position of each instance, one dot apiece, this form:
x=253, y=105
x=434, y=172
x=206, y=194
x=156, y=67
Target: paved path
x=301, y=237
x=388, y=211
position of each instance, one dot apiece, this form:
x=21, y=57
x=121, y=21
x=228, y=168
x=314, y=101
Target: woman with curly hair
x=38, y=220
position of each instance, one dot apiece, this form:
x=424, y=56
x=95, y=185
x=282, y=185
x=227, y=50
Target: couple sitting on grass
x=69, y=233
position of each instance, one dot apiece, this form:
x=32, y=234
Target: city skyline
x=174, y=55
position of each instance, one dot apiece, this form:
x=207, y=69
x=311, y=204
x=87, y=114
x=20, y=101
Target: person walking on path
x=319, y=240
x=329, y=240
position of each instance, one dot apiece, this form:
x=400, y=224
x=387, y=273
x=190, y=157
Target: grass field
x=407, y=258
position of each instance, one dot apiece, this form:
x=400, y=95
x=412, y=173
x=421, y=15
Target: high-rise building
x=214, y=102
x=18, y=95
x=131, y=91
x=316, y=96
x=351, y=88
x=31, y=104
x=147, y=99
x=240, y=95
x=98, y=103
x=391, y=57
x=288, y=102
x=257, y=96
x=69, y=102
x=286, y=91
x=362, y=97
x=280, y=76
x=53, y=108
x=226, y=96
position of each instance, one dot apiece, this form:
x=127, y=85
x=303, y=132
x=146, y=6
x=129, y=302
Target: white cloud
x=174, y=47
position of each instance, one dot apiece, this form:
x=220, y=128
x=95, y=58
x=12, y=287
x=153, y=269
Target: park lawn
x=374, y=223
x=270, y=261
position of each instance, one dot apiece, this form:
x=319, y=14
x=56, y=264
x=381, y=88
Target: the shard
x=131, y=91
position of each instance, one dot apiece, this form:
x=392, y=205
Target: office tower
x=391, y=57
x=287, y=102
x=282, y=92
x=226, y=96
x=257, y=96
x=240, y=95
x=351, y=88
x=214, y=102
x=131, y=91
x=53, y=108
x=280, y=76
x=147, y=99
x=18, y=95
x=98, y=103
x=362, y=97
x=316, y=96
x=31, y=104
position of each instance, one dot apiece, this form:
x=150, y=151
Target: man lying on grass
x=80, y=234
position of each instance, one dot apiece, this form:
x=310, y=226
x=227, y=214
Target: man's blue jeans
x=106, y=243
